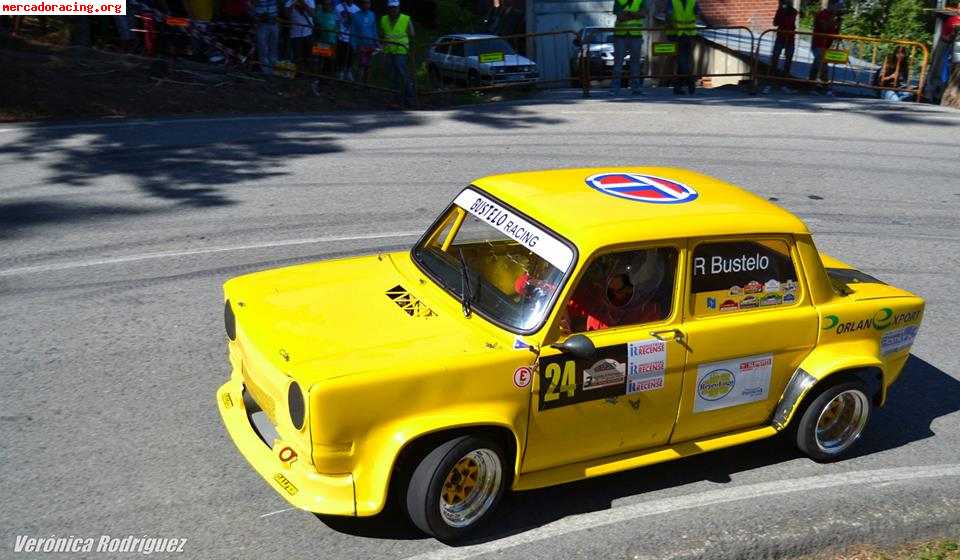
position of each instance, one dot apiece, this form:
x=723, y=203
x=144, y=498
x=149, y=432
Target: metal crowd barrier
x=849, y=60
x=718, y=52
x=495, y=63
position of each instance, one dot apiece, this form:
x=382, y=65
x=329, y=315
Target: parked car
x=549, y=327
x=596, y=43
x=476, y=60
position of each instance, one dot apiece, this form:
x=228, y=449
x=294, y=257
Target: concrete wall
x=553, y=53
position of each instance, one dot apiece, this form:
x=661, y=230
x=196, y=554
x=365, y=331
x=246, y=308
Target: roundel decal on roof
x=642, y=188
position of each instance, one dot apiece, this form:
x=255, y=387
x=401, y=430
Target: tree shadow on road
x=923, y=394
x=175, y=163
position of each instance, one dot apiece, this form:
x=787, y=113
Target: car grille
x=263, y=399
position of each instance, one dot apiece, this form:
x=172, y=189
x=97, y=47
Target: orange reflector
x=178, y=21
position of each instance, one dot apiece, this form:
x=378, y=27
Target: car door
x=749, y=321
x=625, y=396
x=456, y=62
x=440, y=57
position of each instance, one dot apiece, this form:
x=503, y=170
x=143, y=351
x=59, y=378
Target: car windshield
x=494, y=45
x=495, y=261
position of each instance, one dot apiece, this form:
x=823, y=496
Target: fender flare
x=373, y=486
x=826, y=363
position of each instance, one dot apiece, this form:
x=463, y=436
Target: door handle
x=677, y=334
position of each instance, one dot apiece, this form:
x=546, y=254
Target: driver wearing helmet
x=617, y=290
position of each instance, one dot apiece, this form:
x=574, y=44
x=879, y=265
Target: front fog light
x=296, y=404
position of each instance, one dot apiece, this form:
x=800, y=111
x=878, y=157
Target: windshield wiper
x=466, y=291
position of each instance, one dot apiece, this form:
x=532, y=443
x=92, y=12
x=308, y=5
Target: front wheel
x=834, y=421
x=456, y=487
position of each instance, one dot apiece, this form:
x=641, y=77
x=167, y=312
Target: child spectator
x=364, y=39
x=325, y=32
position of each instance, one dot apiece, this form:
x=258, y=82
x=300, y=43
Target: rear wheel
x=834, y=421
x=456, y=487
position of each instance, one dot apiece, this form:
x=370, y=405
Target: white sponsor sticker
x=897, y=340
x=515, y=227
x=646, y=365
x=732, y=382
x=604, y=373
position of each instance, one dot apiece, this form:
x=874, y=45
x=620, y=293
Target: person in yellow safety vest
x=396, y=30
x=683, y=23
x=628, y=38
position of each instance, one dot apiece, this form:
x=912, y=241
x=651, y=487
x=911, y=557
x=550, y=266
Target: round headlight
x=296, y=404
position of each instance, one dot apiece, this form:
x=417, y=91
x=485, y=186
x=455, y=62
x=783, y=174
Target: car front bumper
x=298, y=483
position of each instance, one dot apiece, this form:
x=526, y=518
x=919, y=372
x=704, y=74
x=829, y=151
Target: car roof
x=466, y=36
x=563, y=201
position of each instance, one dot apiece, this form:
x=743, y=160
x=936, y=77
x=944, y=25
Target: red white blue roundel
x=642, y=188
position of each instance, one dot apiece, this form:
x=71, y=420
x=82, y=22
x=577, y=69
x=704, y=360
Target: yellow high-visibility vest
x=630, y=27
x=684, y=17
x=396, y=34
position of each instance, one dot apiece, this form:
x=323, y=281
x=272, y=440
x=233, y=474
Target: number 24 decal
x=560, y=381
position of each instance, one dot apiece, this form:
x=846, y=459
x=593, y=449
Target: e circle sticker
x=716, y=385
x=522, y=377
x=642, y=188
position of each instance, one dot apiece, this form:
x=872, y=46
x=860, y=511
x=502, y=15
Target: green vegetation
x=890, y=19
x=943, y=549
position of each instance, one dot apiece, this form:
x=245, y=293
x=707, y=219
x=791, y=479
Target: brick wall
x=755, y=14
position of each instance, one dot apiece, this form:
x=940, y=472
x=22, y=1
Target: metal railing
x=723, y=51
x=870, y=63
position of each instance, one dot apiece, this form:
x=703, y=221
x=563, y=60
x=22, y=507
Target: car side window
x=624, y=288
x=456, y=49
x=731, y=276
x=442, y=46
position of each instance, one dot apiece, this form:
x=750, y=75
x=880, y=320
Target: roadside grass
x=941, y=549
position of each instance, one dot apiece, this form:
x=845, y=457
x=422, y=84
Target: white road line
x=276, y=512
x=596, y=519
x=167, y=254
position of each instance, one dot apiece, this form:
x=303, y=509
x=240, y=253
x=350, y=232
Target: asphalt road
x=116, y=237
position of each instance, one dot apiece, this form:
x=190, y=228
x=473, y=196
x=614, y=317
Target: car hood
x=332, y=318
x=510, y=60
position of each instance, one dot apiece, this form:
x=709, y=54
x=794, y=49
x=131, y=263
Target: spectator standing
x=785, y=21
x=345, y=10
x=325, y=20
x=301, y=30
x=364, y=39
x=397, y=30
x=268, y=34
x=683, y=19
x=628, y=37
x=826, y=22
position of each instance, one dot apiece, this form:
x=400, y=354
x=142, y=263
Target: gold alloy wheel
x=842, y=421
x=470, y=487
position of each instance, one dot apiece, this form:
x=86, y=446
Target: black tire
x=423, y=496
x=859, y=408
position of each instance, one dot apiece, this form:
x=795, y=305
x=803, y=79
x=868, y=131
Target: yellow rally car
x=552, y=326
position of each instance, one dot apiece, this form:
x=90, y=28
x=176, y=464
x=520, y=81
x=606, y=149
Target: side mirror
x=576, y=41
x=577, y=346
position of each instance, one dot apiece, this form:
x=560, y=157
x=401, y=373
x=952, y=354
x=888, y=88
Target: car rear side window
x=731, y=276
